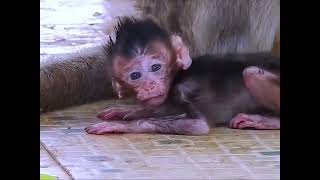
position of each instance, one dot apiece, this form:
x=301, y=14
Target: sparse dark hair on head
x=132, y=33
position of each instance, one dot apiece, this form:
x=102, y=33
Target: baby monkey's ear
x=121, y=90
x=117, y=88
x=183, y=58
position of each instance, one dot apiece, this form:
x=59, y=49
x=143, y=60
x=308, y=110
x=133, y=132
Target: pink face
x=148, y=74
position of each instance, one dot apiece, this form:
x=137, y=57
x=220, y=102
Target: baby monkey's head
x=144, y=59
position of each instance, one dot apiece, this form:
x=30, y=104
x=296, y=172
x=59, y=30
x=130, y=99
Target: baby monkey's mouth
x=155, y=100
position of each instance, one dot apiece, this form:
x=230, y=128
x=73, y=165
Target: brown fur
x=206, y=26
x=276, y=45
x=73, y=79
x=218, y=26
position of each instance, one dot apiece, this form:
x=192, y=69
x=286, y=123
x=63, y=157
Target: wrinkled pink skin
x=242, y=121
x=260, y=83
x=263, y=86
x=168, y=125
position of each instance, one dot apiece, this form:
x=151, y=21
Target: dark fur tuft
x=107, y=47
x=131, y=33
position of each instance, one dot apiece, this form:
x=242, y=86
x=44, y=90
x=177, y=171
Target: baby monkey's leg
x=264, y=86
x=243, y=121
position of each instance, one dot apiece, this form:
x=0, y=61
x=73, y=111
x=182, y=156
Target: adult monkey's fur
x=206, y=27
x=218, y=26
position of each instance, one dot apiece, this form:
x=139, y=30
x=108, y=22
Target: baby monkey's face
x=148, y=73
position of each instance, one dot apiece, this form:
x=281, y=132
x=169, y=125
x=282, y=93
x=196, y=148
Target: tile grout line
x=189, y=158
x=94, y=152
x=234, y=159
x=134, y=148
x=260, y=141
x=56, y=160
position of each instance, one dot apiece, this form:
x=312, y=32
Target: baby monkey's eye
x=155, y=67
x=135, y=75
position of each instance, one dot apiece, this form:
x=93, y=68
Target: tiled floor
x=48, y=165
x=69, y=153
x=68, y=24
x=223, y=154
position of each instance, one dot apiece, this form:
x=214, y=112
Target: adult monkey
x=206, y=26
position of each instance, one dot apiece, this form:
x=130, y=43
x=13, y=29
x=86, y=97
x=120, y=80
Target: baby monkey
x=175, y=97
